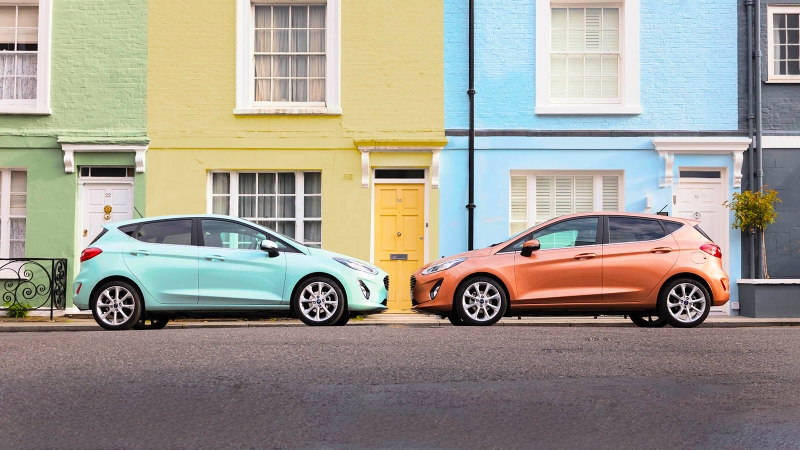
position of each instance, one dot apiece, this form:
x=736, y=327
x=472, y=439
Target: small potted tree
x=762, y=297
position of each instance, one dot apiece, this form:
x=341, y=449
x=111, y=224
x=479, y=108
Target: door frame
x=82, y=182
x=724, y=224
x=426, y=182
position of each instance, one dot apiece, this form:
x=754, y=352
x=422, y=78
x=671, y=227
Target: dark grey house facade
x=779, y=118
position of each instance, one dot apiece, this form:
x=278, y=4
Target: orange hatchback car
x=657, y=270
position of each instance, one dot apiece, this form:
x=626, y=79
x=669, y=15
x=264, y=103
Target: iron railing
x=32, y=283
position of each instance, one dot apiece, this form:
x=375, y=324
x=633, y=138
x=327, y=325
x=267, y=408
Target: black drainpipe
x=759, y=123
x=750, y=127
x=471, y=93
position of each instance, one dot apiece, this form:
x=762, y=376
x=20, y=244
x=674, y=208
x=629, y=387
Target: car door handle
x=217, y=257
x=660, y=250
x=140, y=252
x=586, y=256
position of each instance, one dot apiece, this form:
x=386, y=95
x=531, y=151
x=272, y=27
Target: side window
x=671, y=226
x=174, y=232
x=569, y=233
x=633, y=229
x=231, y=235
x=128, y=229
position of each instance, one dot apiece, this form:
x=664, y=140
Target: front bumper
x=378, y=293
x=423, y=287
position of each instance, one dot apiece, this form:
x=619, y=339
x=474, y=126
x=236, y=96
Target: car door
x=568, y=267
x=233, y=268
x=638, y=255
x=162, y=258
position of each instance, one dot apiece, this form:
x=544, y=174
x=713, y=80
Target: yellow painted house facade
x=321, y=119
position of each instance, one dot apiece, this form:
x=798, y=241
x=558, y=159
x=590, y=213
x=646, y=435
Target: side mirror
x=529, y=247
x=270, y=247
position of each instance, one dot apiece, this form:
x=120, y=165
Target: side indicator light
x=724, y=286
x=78, y=291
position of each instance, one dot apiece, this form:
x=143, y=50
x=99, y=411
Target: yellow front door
x=399, y=237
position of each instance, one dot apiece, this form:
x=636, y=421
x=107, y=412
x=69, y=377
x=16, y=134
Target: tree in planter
x=754, y=210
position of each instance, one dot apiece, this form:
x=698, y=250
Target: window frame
x=629, y=72
x=531, y=191
x=772, y=77
x=607, y=232
x=599, y=239
x=5, y=211
x=40, y=106
x=192, y=233
x=245, y=60
x=299, y=205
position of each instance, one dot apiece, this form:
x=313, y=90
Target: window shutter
x=611, y=193
x=519, y=204
x=584, y=194
x=564, y=195
x=544, y=199
x=593, y=28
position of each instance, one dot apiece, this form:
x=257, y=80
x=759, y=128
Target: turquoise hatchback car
x=142, y=273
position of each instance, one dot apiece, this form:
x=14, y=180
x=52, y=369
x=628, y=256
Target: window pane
x=299, y=41
x=17, y=249
x=570, y=233
x=280, y=16
x=231, y=235
x=317, y=17
x=267, y=207
x=247, y=206
x=312, y=231
x=312, y=182
x=18, y=229
x=266, y=183
x=672, y=226
x=263, y=17
x=312, y=207
x=175, y=232
x=221, y=183
x=221, y=205
x=300, y=90
x=286, y=183
x=287, y=229
x=247, y=183
x=19, y=182
x=631, y=229
x=286, y=207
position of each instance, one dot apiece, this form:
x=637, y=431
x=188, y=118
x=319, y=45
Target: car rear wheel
x=343, y=320
x=651, y=321
x=151, y=324
x=684, y=303
x=480, y=301
x=116, y=306
x=455, y=319
x=319, y=301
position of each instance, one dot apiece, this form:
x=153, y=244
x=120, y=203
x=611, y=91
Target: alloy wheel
x=686, y=303
x=115, y=306
x=319, y=301
x=481, y=301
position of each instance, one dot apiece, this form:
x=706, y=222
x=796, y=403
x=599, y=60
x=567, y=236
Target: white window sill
x=289, y=111
x=795, y=80
x=33, y=111
x=587, y=110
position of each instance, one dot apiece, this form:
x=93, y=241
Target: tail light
x=712, y=249
x=90, y=253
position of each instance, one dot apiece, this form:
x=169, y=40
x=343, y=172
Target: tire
x=455, y=319
x=480, y=301
x=117, y=305
x=649, y=321
x=684, y=303
x=343, y=320
x=319, y=301
x=151, y=324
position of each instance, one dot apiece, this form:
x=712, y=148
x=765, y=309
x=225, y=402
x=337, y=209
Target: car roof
x=177, y=216
x=625, y=214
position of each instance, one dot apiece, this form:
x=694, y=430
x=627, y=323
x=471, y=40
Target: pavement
x=84, y=322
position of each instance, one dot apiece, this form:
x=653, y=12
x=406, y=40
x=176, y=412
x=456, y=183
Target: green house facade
x=73, y=141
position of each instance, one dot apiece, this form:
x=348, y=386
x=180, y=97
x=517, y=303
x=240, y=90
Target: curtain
x=19, y=36
x=221, y=189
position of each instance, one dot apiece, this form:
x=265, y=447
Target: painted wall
x=497, y=157
x=688, y=68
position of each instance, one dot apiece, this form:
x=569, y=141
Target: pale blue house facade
x=628, y=105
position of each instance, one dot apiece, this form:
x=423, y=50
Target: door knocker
x=107, y=209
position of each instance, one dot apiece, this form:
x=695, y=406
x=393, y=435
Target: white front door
x=103, y=204
x=701, y=199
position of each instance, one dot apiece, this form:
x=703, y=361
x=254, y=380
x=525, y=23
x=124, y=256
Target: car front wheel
x=684, y=303
x=480, y=301
x=319, y=301
x=116, y=306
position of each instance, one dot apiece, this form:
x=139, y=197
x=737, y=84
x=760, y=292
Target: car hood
x=316, y=252
x=471, y=254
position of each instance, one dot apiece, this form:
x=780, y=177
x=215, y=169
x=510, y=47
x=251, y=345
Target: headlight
x=355, y=265
x=443, y=266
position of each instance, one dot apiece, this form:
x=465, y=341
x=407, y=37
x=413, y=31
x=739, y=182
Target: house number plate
x=398, y=257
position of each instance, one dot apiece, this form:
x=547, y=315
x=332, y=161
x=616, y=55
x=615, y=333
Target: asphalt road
x=402, y=387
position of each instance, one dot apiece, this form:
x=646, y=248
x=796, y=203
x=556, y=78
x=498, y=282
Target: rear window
x=633, y=229
x=98, y=237
x=700, y=230
x=128, y=229
x=174, y=232
x=672, y=226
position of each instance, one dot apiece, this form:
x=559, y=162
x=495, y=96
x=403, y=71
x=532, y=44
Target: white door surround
x=71, y=149
x=701, y=199
x=103, y=201
x=667, y=148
